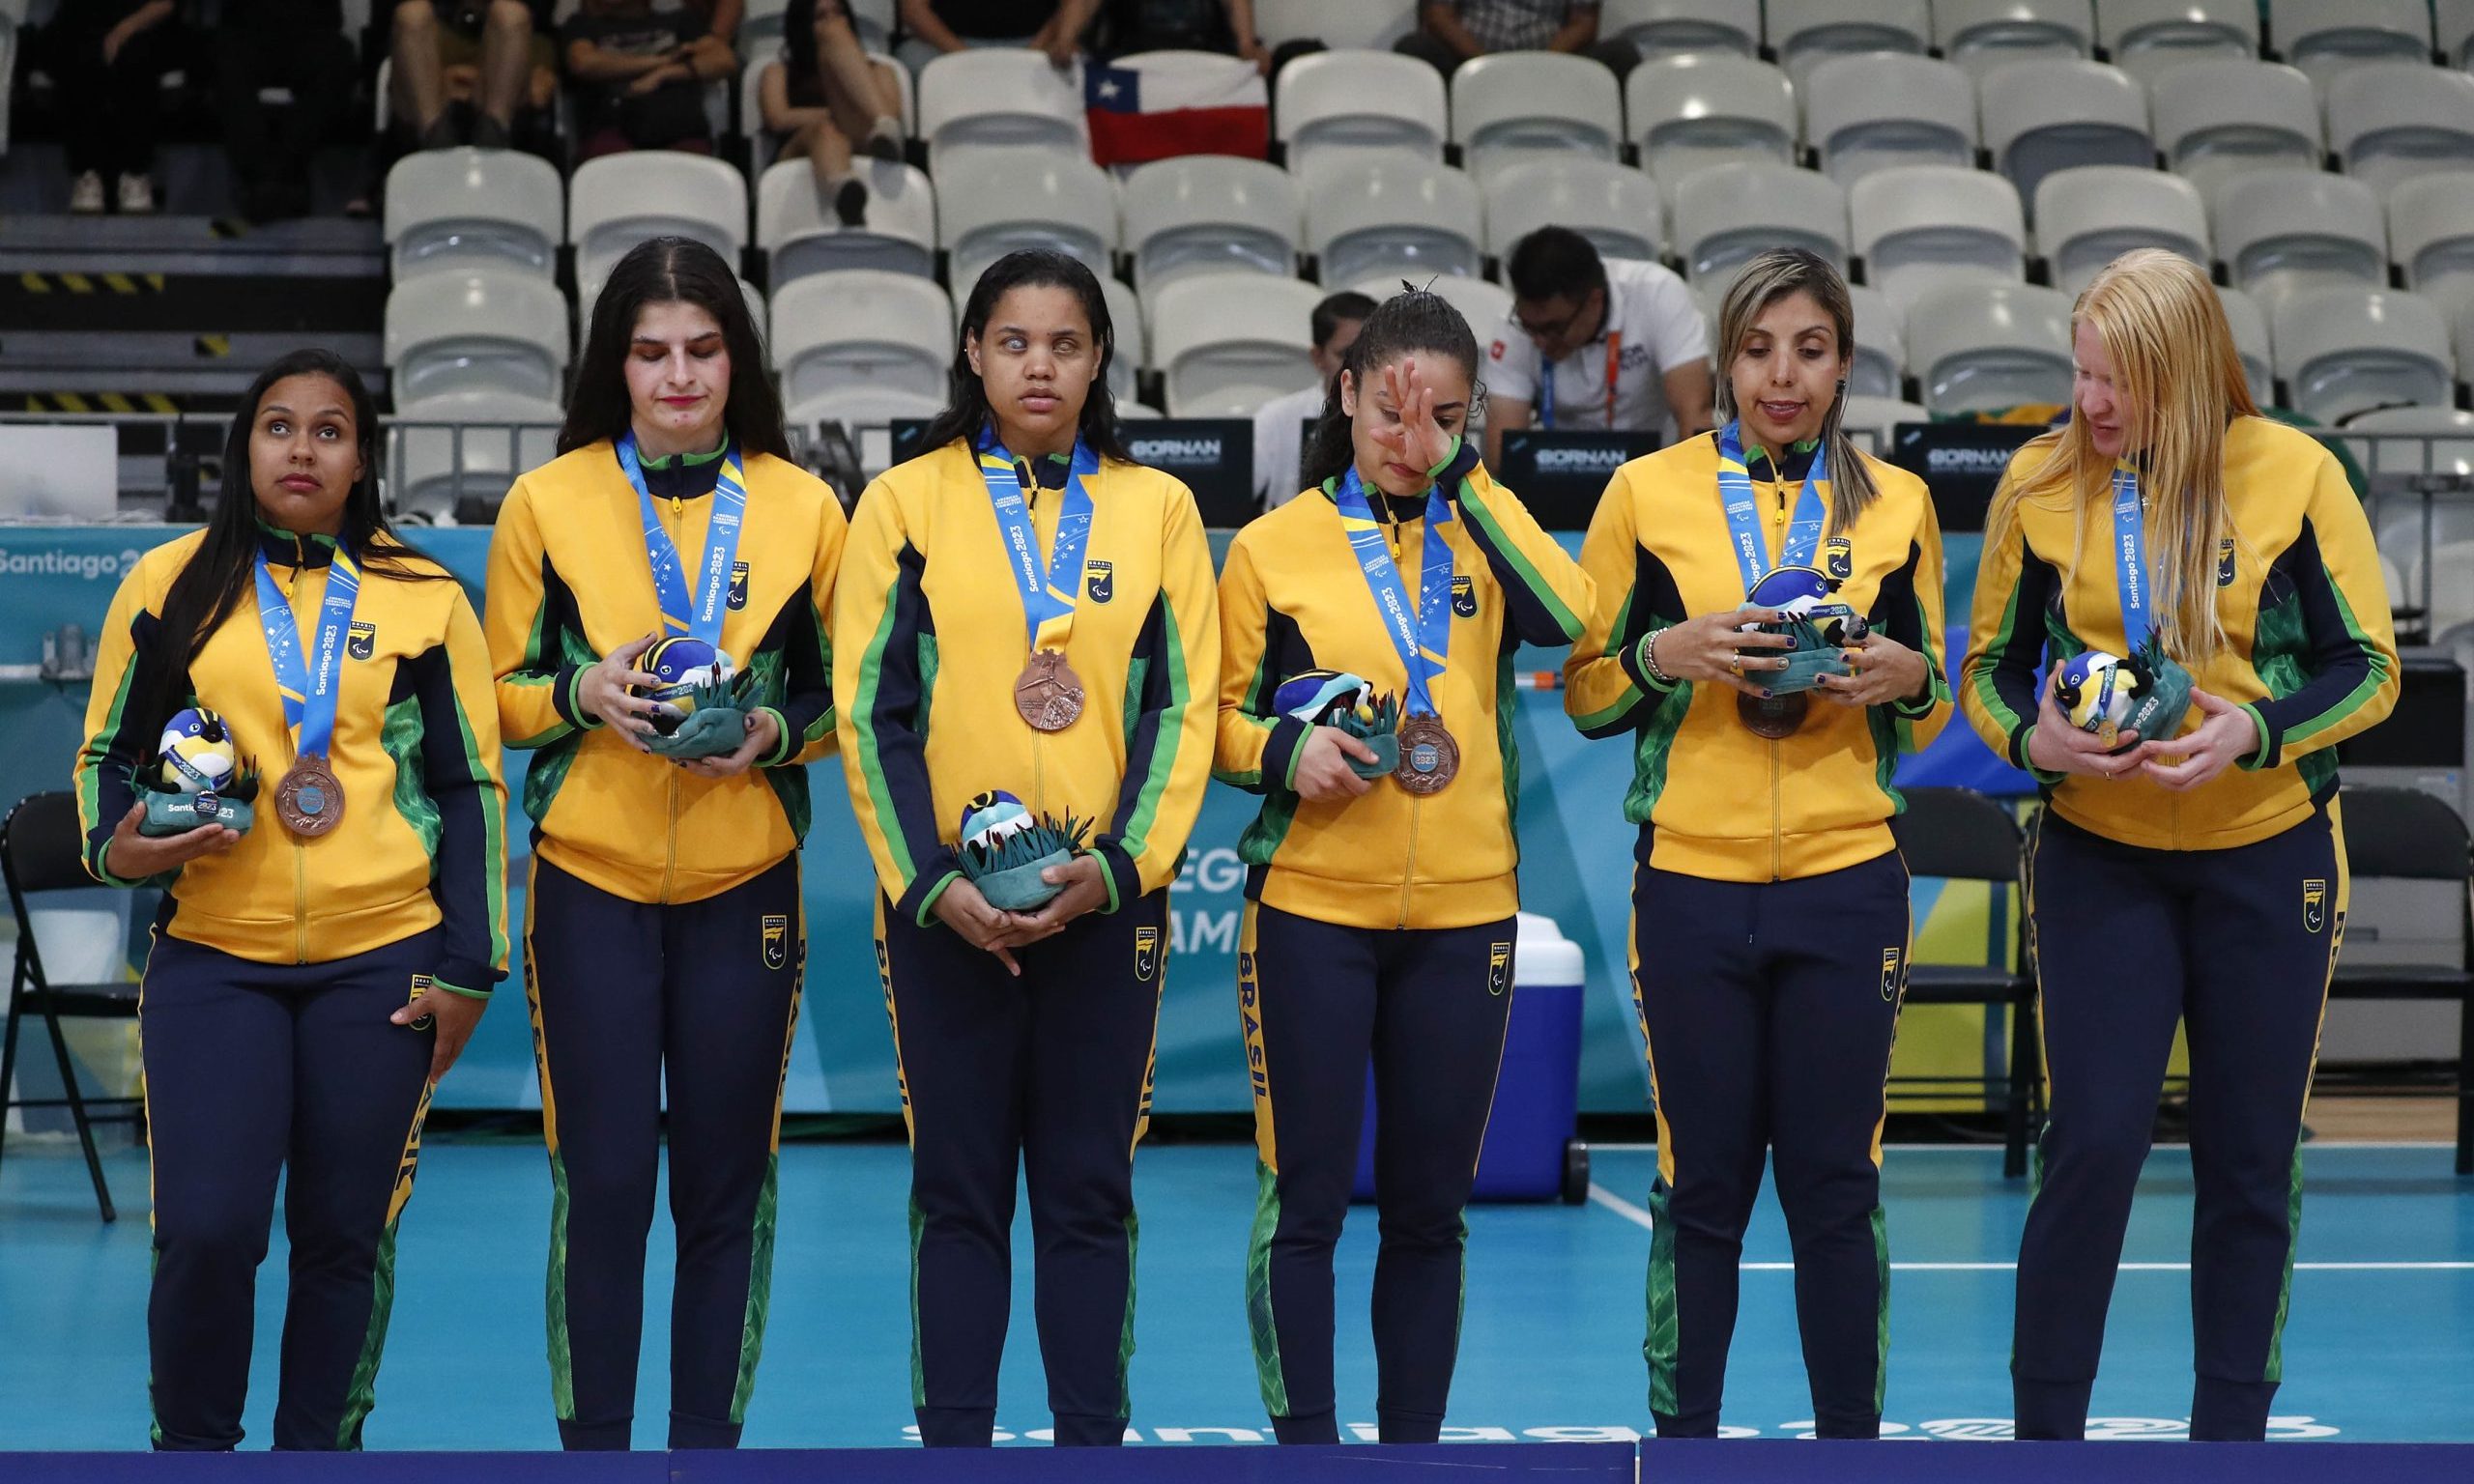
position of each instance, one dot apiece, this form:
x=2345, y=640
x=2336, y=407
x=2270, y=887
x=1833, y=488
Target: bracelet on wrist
x=1649, y=660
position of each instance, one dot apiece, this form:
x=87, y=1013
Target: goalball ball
x=197, y=751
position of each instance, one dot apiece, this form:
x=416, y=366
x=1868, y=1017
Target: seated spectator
x=1279, y=423
x=111, y=55
x=1184, y=25
x=463, y=69
x=297, y=46
x=1449, y=32
x=1594, y=344
x=824, y=94
x=936, y=27
x=640, y=73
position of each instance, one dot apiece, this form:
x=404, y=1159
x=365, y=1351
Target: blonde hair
x=2179, y=381
x=1766, y=279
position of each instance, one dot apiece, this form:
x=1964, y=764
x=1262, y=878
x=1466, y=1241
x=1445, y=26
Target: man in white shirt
x=1592, y=344
x=1279, y=423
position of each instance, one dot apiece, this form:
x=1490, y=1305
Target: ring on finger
x=1735, y=664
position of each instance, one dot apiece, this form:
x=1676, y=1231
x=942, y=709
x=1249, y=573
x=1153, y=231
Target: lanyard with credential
x=2130, y=558
x=309, y=685
x=1048, y=602
x=1743, y=521
x=1547, y=384
x=699, y=615
x=1423, y=637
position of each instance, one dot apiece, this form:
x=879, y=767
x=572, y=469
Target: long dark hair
x=224, y=566
x=966, y=411
x=1402, y=324
x=798, y=42
x=671, y=271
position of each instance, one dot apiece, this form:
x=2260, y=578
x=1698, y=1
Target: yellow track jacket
x=422, y=842
x=1292, y=599
x=1723, y=803
x=933, y=640
x=2310, y=649
x=569, y=582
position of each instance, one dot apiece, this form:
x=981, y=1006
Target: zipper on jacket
x=670, y=856
x=300, y=902
x=1409, y=870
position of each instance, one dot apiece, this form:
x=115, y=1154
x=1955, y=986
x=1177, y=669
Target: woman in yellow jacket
x=1381, y=898
x=2193, y=877
x=1769, y=904
x=672, y=558
x=334, y=924
x=1028, y=643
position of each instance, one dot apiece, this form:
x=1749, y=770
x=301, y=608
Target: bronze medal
x=1048, y=694
x=1775, y=717
x=309, y=800
x=1429, y=758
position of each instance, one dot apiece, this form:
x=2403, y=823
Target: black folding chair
x=2405, y=834
x=1959, y=835
x=40, y=850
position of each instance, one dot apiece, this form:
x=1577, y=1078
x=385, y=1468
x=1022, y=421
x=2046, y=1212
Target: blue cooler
x=1530, y=1153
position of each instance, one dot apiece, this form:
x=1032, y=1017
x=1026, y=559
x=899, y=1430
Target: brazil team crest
x=2224, y=562
x=738, y=586
x=1838, y=558
x=2315, y=904
x=1892, y=961
x=777, y=939
x=1099, y=580
x=1464, y=597
x=1146, y=954
x=361, y=641
x=1498, y=968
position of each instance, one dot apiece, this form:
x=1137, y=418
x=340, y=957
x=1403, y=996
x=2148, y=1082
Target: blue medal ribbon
x=1421, y=635
x=2130, y=559
x=701, y=615
x=1743, y=518
x=309, y=686
x=1048, y=600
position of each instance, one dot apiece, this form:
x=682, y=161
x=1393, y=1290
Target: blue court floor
x=2380, y=1345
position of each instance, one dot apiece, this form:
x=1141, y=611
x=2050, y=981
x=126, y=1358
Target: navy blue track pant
x=1048, y=1074
x=1316, y=1002
x=258, y=1071
x=628, y=998
x=1769, y=1009
x=2237, y=946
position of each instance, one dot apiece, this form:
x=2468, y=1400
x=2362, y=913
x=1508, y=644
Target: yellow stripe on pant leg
x=893, y=1022
x=1261, y=1327
x=554, y=1307
x=1661, y=1344
x=362, y=1394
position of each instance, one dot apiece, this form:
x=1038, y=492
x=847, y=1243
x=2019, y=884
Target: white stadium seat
x=1225, y=344
x=2417, y=444
x=2328, y=37
x=862, y=407
x=620, y=200
x=1867, y=113
x=2449, y=590
x=1517, y=105
x=1666, y=28
x=991, y=202
x=429, y=470
x=1001, y=96
x=2430, y=236
x=2090, y=216
x=1200, y=213
x=1688, y=113
x=1343, y=104
x=1725, y=215
x=1868, y=420
x=1976, y=347
x=2279, y=232
x=2249, y=326
x=2151, y=38
x=1388, y=215
x=861, y=327
x=463, y=209
x=1484, y=305
x=1921, y=227
x=2350, y=348
x=1984, y=36
x=2222, y=119
x=2394, y=121
x=800, y=234
x=2453, y=27
x=1804, y=33
x=1131, y=328
x=477, y=332
x=1362, y=23
x=2050, y=115
x=1616, y=207
x=1880, y=344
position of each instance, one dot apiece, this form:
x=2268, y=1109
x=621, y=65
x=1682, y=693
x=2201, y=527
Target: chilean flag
x=1161, y=104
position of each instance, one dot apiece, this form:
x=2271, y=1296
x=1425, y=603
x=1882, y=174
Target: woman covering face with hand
x=658, y=596
x=1028, y=643
x=318, y=695
x=2185, y=568
x=1370, y=626
x=1768, y=635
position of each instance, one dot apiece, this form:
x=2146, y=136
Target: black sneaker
x=850, y=203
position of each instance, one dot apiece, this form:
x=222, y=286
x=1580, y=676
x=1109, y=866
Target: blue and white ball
x=1322, y=696
x=1792, y=590
x=2095, y=691
x=197, y=753
x=680, y=667
x=991, y=818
